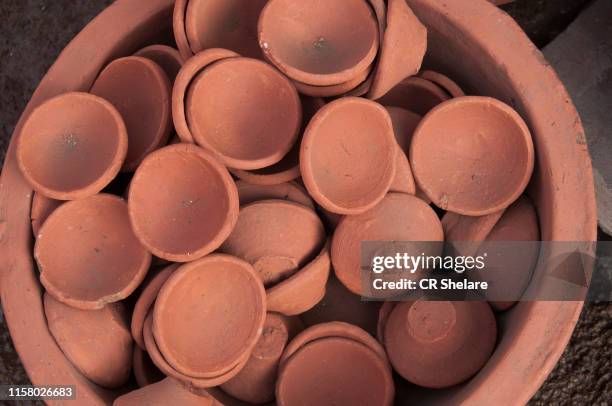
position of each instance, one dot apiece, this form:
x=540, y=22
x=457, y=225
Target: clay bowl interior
x=532, y=334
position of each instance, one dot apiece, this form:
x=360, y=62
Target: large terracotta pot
x=495, y=59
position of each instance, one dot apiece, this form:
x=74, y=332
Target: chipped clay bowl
x=495, y=59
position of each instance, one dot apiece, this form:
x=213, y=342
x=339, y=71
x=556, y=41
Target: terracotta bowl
x=495, y=59
x=168, y=58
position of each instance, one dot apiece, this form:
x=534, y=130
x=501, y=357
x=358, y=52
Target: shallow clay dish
x=87, y=253
x=486, y=160
x=244, y=111
x=444, y=82
x=183, y=203
x=178, y=28
x=348, y=154
x=42, y=207
x=64, y=154
x=332, y=90
x=292, y=191
x=140, y=90
x=404, y=123
x=168, y=58
x=403, y=181
x=319, y=43
x=165, y=392
x=415, y=94
x=145, y=371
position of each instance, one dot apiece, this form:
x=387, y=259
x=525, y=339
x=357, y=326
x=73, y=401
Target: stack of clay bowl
x=198, y=207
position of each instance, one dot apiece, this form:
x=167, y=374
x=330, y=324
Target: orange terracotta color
x=469, y=228
x=183, y=204
x=277, y=237
x=140, y=90
x=383, y=316
x=348, y=155
x=87, y=253
x=165, y=392
x=331, y=219
x=403, y=181
x=402, y=50
x=168, y=58
x=444, y=82
x=302, y=290
x=231, y=288
x=404, y=124
x=145, y=371
x=245, y=112
x=415, y=94
x=42, y=207
x=332, y=90
x=319, y=43
x=496, y=151
x=178, y=28
x=97, y=342
x=57, y=136
x=291, y=191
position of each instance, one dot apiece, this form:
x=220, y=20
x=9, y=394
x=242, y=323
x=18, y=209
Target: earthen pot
x=244, y=111
x=302, y=290
x=332, y=90
x=438, y=344
x=486, y=160
x=222, y=306
x=179, y=13
x=348, y=155
x=320, y=43
x=398, y=217
x=415, y=94
x=146, y=300
x=140, y=90
x=277, y=237
x=255, y=383
x=402, y=50
x=42, y=207
x=444, y=82
x=383, y=315
x=165, y=392
x=72, y=146
x=182, y=202
x=403, y=181
x=168, y=58
x=404, y=123
x=145, y=371
x=87, y=253
x=97, y=342
x=291, y=191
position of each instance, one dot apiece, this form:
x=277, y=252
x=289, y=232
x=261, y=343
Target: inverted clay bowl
x=145, y=371
x=166, y=392
x=42, y=207
x=97, y=342
x=183, y=203
x=319, y=43
x=415, y=94
x=292, y=191
x=168, y=58
x=444, y=82
x=486, y=160
x=221, y=303
x=140, y=90
x=79, y=264
x=348, y=155
x=72, y=146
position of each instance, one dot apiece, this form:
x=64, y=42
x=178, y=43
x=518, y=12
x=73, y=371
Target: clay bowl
x=168, y=58
x=348, y=154
x=415, y=94
x=291, y=191
x=487, y=159
x=140, y=90
x=277, y=237
x=79, y=265
x=243, y=111
x=183, y=204
x=145, y=371
x=404, y=123
x=403, y=181
x=63, y=155
x=332, y=90
x=97, y=342
x=42, y=207
x=320, y=43
x=165, y=392
x=444, y=82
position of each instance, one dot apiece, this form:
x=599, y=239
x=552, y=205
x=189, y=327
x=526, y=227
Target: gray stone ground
x=33, y=32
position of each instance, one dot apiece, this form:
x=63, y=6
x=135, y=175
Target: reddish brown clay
x=348, y=154
x=294, y=192
x=178, y=28
x=404, y=124
x=415, y=94
x=302, y=290
x=469, y=228
x=487, y=156
x=403, y=181
x=97, y=342
x=72, y=146
x=320, y=43
x=332, y=90
x=145, y=371
x=183, y=204
x=402, y=51
x=166, y=392
x=277, y=237
x=87, y=253
x=245, y=112
x=383, y=317
x=399, y=217
x=444, y=82
x=168, y=58
x=223, y=306
x=42, y=207
x=439, y=344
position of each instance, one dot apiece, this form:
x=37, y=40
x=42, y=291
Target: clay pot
x=214, y=316
x=487, y=159
x=403, y=181
x=97, y=342
x=332, y=90
x=178, y=28
x=255, y=383
x=320, y=43
x=302, y=290
x=404, y=124
x=87, y=253
x=277, y=237
x=415, y=94
x=439, y=344
x=444, y=82
x=183, y=204
x=145, y=371
x=140, y=90
x=468, y=229
x=72, y=146
x=402, y=50
x=348, y=154
x=166, y=392
x=168, y=58
x=245, y=112
x=291, y=191
x=399, y=217
x=42, y=207
x=146, y=300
